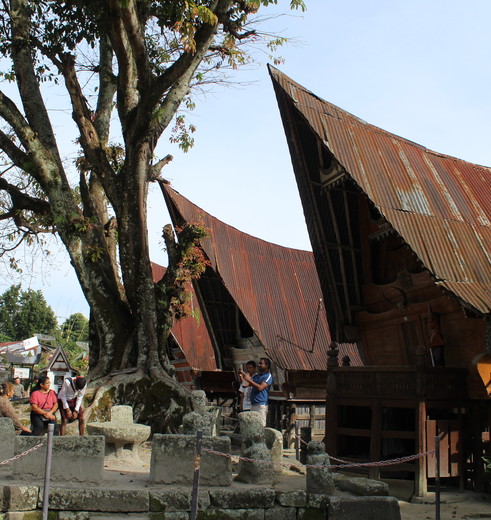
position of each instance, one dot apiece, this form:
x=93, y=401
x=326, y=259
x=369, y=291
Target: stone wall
x=174, y=503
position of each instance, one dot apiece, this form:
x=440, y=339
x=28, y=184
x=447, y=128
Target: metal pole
x=197, y=466
x=437, y=479
x=47, y=470
x=297, y=441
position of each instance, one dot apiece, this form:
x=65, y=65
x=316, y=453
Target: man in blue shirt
x=261, y=384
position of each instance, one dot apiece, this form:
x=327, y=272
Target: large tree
x=145, y=56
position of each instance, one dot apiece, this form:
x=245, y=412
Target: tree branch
x=23, y=201
x=128, y=95
x=107, y=90
x=89, y=138
x=29, y=90
x=157, y=167
x=136, y=39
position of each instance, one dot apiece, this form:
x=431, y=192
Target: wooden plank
x=420, y=483
x=444, y=430
x=430, y=446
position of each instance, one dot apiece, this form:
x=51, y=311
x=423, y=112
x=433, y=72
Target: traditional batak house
x=402, y=241
x=259, y=299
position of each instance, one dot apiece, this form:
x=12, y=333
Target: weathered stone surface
x=307, y=513
x=280, y=513
x=173, y=515
x=194, y=421
x=121, y=432
x=27, y=515
x=319, y=479
x=274, y=443
x=231, y=514
x=7, y=439
x=122, y=413
x=18, y=498
x=364, y=487
x=74, y=459
x=172, y=460
x=242, y=498
x=112, y=500
x=176, y=499
x=71, y=515
x=364, y=508
x=254, y=447
x=291, y=498
x=199, y=401
x=318, y=501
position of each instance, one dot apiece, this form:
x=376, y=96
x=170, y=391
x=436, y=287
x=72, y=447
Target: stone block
x=291, y=498
x=318, y=501
x=74, y=459
x=18, y=498
x=7, y=445
x=364, y=508
x=28, y=515
x=176, y=499
x=97, y=499
x=242, y=498
x=274, y=443
x=364, y=486
x=72, y=515
x=172, y=460
x=308, y=513
x=231, y=514
x=280, y=513
x=173, y=515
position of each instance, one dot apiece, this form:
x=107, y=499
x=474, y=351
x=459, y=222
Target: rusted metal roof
x=191, y=334
x=439, y=205
x=276, y=288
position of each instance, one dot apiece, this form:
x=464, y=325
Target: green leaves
x=23, y=313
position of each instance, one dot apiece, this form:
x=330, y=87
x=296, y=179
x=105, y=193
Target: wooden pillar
x=331, y=440
x=375, y=438
x=420, y=479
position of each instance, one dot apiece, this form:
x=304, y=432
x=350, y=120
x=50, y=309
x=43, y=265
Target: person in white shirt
x=245, y=388
x=70, y=399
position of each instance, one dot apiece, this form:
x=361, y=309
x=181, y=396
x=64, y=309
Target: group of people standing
x=45, y=403
x=255, y=384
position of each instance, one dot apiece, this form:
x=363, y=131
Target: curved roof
x=439, y=205
x=276, y=288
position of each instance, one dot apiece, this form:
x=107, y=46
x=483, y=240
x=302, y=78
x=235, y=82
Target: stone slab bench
x=172, y=460
x=121, y=432
x=74, y=459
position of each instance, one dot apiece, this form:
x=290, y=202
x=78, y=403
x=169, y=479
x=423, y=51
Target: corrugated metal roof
x=276, y=288
x=439, y=205
x=191, y=334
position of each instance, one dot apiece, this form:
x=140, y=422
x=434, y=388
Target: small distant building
x=59, y=368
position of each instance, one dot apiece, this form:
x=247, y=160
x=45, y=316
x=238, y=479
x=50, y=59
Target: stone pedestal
x=319, y=480
x=254, y=447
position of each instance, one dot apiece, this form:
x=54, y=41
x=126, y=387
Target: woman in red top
x=44, y=404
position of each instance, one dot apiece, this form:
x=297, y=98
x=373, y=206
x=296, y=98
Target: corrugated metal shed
x=439, y=205
x=190, y=334
x=276, y=288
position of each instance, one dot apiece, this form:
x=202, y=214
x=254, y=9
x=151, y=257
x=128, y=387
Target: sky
x=418, y=69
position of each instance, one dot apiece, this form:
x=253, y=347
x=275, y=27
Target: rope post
x=437, y=479
x=297, y=441
x=197, y=466
x=47, y=470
